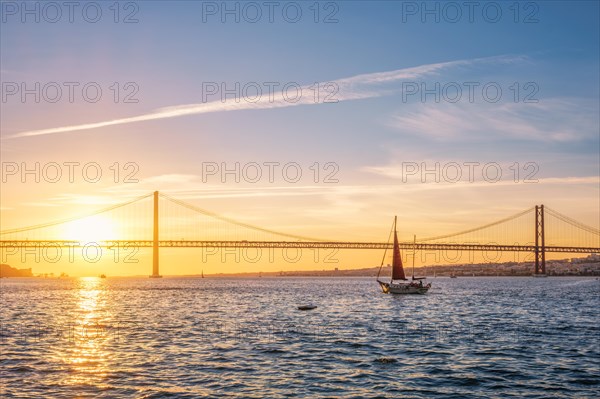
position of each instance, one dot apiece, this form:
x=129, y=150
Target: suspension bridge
x=167, y=222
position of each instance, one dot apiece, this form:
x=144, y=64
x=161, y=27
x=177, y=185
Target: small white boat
x=399, y=283
x=404, y=288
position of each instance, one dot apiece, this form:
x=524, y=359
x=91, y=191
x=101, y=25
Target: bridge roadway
x=13, y=244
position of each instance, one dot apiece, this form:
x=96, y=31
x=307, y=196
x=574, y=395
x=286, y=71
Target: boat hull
x=403, y=288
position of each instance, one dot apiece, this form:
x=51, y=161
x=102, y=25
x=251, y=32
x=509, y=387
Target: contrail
x=351, y=88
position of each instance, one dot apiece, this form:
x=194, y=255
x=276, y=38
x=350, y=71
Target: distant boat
x=307, y=307
x=398, y=284
x=103, y=276
x=452, y=274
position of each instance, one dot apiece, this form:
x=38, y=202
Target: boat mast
x=394, y=266
x=414, y=253
x=385, y=251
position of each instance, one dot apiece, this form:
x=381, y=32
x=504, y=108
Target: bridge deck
x=5, y=244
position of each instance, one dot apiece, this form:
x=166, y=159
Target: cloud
x=550, y=119
x=412, y=179
x=173, y=178
x=363, y=205
x=335, y=194
x=352, y=88
x=41, y=204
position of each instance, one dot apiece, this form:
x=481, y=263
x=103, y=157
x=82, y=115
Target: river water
x=189, y=338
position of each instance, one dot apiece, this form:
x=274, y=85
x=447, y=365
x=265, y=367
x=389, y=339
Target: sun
x=91, y=229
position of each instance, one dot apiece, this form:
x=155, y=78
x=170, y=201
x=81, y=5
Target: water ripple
x=244, y=338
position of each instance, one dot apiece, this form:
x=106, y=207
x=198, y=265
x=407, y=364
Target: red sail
x=397, y=269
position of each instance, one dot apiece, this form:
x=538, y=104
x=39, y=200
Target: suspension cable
x=572, y=222
x=235, y=222
x=478, y=228
x=71, y=219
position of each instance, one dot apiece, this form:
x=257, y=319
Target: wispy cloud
x=193, y=189
x=351, y=88
x=172, y=178
x=550, y=119
x=411, y=180
x=353, y=205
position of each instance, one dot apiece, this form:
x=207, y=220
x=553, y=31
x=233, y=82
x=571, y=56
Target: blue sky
x=371, y=54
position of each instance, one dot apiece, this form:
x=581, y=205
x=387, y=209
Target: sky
x=503, y=99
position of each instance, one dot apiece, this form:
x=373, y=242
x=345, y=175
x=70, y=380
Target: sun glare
x=91, y=229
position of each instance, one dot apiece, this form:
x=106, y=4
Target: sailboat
x=398, y=283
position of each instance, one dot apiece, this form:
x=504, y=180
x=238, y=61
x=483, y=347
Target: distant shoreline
x=290, y=276
x=580, y=267
x=242, y=277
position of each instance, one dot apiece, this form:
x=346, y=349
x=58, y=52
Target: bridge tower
x=155, y=240
x=540, y=244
